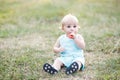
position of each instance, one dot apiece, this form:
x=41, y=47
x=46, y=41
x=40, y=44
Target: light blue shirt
x=72, y=51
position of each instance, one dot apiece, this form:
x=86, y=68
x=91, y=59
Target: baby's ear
x=79, y=26
x=60, y=27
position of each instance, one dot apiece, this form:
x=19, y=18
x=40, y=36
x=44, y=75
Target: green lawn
x=29, y=29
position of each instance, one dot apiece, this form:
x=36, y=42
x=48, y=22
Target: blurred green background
x=29, y=29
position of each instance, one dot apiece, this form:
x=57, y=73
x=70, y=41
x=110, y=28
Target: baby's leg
x=54, y=68
x=75, y=66
x=79, y=64
x=72, y=68
x=49, y=69
x=57, y=64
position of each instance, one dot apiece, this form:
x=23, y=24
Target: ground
x=29, y=29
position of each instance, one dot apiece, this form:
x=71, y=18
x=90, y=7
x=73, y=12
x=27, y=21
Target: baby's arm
x=57, y=48
x=79, y=40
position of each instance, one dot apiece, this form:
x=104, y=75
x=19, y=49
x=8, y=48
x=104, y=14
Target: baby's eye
x=68, y=26
x=74, y=26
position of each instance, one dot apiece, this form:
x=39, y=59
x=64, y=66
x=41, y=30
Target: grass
x=112, y=70
x=28, y=30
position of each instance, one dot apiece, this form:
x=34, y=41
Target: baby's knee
x=57, y=64
x=57, y=60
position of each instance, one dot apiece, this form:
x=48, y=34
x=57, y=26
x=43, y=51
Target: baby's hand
x=72, y=35
x=61, y=49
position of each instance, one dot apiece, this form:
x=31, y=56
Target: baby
x=70, y=46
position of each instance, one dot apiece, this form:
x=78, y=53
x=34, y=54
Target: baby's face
x=70, y=28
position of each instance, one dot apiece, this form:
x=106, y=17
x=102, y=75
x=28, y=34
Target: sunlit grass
x=112, y=70
x=29, y=29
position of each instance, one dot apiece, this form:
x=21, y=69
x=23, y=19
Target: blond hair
x=69, y=19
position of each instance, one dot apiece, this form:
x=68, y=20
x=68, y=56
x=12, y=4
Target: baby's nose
x=72, y=29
